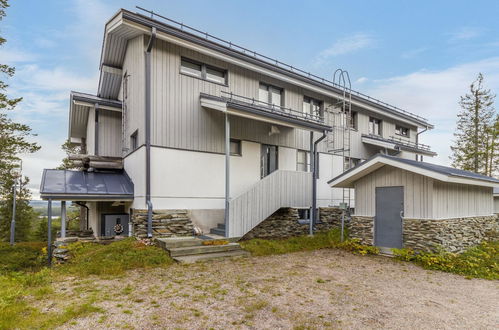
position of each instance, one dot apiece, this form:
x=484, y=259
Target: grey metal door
x=388, y=220
x=110, y=222
x=268, y=159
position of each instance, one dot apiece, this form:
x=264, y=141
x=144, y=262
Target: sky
x=417, y=55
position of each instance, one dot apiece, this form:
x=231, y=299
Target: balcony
x=394, y=143
x=242, y=106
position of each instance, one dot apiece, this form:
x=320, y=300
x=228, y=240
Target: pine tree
x=70, y=149
x=474, y=137
x=13, y=142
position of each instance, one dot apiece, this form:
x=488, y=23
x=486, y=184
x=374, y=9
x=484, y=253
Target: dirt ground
x=306, y=290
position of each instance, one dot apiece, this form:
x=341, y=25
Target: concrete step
x=221, y=226
x=177, y=242
x=210, y=256
x=203, y=249
x=217, y=231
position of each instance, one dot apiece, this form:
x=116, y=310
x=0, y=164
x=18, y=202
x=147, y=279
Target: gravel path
x=319, y=289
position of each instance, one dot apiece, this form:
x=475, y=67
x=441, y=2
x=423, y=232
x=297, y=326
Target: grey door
x=388, y=220
x=109, y=224
x=268, y=160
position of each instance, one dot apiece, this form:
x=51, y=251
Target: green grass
x=113, y=259
x=481, y=261
x=21, y=257
x=321, y=240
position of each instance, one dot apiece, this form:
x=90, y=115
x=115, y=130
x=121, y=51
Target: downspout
x=148, y=97
x=86, y=216
x=313, y=163
x=417, y=140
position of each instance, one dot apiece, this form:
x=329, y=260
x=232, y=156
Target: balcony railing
x=230, y=97
x=400, y=142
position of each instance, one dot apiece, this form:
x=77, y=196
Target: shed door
x=388, y=220
x=109, y=222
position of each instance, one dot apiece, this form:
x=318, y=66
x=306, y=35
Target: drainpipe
x=148, y=100
x=88, y=211
x=417, y=140
x=313, y=161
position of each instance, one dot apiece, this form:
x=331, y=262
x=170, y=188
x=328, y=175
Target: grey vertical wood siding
x=109, y=133
x=452, y=200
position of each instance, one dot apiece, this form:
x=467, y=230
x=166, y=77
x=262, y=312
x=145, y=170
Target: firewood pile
x=88, y=162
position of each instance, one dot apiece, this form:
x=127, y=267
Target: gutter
x=314, y=161
x=148, y=97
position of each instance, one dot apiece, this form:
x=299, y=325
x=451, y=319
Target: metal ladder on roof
x=338, y=142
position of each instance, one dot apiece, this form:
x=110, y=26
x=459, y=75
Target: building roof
x=84, y=186
x=126, y=25
x=438, y=172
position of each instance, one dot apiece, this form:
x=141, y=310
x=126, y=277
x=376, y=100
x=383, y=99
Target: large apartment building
x=223, y=132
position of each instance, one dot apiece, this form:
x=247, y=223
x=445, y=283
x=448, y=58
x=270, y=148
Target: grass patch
x=21, y=257
x=113, y=259
x=321, y=240
x=481, y=261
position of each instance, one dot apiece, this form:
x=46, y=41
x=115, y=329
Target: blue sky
x=418, y=55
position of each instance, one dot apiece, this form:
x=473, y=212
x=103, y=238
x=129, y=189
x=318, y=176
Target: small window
x=270, y=94
x=203, y=71
x=351, y=162
x=374, y=126
x=312, y=106
x=134, y=143
x=403, y=131
x=353, y=120
x=235, y=148
x=302, y=160
x=191, y=68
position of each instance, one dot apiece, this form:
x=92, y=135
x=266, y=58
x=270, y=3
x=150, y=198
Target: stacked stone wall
x=165, y=223
x=362, y=228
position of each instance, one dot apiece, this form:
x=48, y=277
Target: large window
x=402, y=131
x=374, y=126
x=203, y=71
x=270, y=94
x=302, y=160
x=312, y=106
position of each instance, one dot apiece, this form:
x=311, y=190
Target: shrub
x=481, y=261
x=114, y=258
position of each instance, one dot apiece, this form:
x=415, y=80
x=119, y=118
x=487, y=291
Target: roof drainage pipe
x=313, y=163
x=148, y=97
x=417, y=140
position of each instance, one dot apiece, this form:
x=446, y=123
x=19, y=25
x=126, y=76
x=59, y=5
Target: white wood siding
x=451, y=200
x=418, y=192
x=109, y=133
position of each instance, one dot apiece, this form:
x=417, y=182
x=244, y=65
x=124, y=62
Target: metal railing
x=272, y=108
x=399, y=141
x=276, y=62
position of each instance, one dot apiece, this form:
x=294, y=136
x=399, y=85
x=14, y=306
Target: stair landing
x=192, y=249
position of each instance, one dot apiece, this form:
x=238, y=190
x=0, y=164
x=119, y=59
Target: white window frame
x=239, y=147
x=269, y=89
x=372, y=122
x=203, y=74
x=299, y=165
x=399, y=130
x=310, y=102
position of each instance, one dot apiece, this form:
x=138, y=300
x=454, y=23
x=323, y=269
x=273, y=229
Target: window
x=235, y=147
x=134, y=143
x=304, y=214
x=203, y=71
x=351, y=162
x=302, y=160
x=400, y=130
x=312, y=106
x=374, y=126
x=353, y=120
x=270, y=94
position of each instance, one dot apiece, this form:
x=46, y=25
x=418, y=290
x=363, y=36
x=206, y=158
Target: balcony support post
x=312, y=169
x=227, y=174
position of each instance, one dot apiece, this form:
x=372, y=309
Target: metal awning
x=85, y=186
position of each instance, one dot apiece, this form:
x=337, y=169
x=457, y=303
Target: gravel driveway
x=319, y=289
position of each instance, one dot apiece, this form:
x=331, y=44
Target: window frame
x=134, y=140
x=380, y=130
x=310, y=99
x=269, y=94
x=354, y=121
x=307, y=160
x=239, y=147
x=203, y=72
x=398, y=131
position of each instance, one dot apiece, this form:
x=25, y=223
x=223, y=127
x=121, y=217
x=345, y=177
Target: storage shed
x=406, y=203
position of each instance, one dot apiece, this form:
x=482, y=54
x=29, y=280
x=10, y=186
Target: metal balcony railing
x=401, y=142
x=272, y=108
x=277, y=63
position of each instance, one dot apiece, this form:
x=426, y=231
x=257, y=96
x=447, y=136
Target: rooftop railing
x=272, y=108
x=272, y=61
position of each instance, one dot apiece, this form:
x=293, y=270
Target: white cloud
x=435, y=95
x=466, y=33
x=346, y=45
x=13, y=56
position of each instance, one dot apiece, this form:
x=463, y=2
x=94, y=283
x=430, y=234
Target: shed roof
x=438, y=172
x=79, y=185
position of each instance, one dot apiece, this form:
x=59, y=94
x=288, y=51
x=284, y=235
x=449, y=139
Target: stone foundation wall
x=165, y=223
x=362, y=228
x=453, y=235
x=284, y=223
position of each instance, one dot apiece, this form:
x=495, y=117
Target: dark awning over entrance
x=85, y=186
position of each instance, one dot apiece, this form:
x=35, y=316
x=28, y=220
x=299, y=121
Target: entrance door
x=268, y=160
x=388, y=220
x=114, y=225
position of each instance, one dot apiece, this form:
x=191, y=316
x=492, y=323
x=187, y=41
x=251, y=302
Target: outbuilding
x=411, y=204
